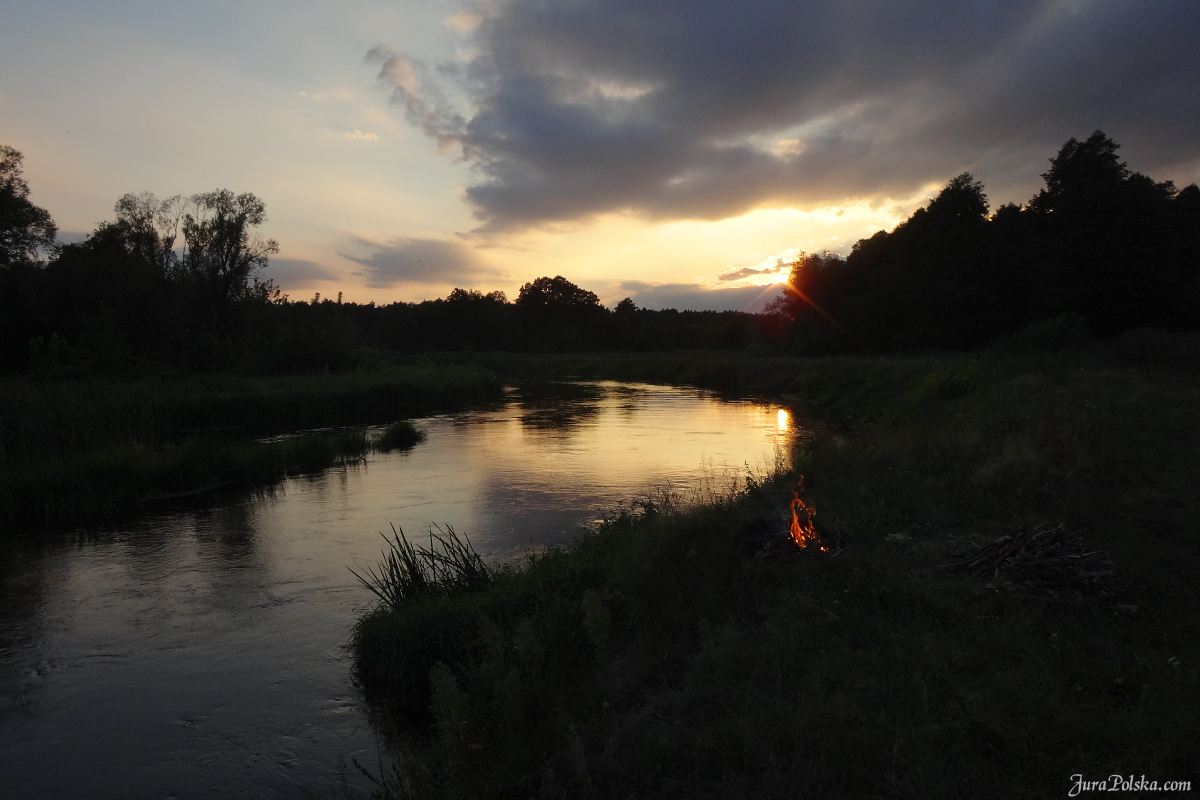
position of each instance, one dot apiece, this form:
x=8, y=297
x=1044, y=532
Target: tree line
x=180, y=283
x=1099, y=247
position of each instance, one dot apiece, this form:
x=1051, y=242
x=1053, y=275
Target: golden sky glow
x=603, y=253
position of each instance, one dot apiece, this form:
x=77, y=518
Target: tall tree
x=224, y=253
x=1109, y=251
x=25, y=229
x=559, y=315
x=147, y=229
x=1085, y=178
x=556, y=293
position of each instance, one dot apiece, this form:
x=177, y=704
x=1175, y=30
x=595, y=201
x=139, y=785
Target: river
x=198, y=651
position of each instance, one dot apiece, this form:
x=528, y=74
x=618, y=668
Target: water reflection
x=197, y=652
x=558, y=407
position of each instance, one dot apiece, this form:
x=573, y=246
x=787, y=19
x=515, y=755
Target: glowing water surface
x=199, y=651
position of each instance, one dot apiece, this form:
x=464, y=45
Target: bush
x=1046, y=336
x=402, y=435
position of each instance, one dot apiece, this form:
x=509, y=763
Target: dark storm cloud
x=693, y=297
x=705, y=109
x=419, y=261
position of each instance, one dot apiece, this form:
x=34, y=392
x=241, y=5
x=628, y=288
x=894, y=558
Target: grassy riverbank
x=654, y=659
x=77, y=449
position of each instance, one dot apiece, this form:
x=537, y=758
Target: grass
x=412, y=573
x=119, y=480
x=73, y=450
x=401, y=435
x=655, y=659
x=73, y=416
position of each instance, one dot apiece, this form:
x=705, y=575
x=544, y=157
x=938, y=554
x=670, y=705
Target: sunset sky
x=674, y=151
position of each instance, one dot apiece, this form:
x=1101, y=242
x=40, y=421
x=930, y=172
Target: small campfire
x=802, y=530
x=1042, y=559
x=786, y=536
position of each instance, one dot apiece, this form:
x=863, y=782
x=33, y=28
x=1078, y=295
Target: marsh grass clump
x=409, y=573
x=402, y=435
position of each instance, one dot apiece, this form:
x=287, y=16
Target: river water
x=198, y=651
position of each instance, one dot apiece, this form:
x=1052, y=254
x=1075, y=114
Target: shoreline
x=655, y=658
x=77, y=451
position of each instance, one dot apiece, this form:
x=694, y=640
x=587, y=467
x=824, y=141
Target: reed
x=402, y=435
x=76, y=416
x=73, y=450
x=409, y=573
x=117, y=480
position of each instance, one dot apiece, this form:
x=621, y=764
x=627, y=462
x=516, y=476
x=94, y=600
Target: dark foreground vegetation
x=181, y=283
x=658, y=658
x=77, y=448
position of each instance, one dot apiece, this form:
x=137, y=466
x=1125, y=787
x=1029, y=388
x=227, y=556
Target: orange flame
x=804, y=533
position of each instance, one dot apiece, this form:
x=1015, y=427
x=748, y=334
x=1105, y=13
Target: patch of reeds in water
x=402, y=435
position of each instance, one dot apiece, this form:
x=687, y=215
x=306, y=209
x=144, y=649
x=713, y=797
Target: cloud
x=740, y=274
x=694, y=297
x=407, y=260
x=358, y=135
x=424, y=105
x=704, y=109
x=295, y=273
x=327, y=95
x=464, y=21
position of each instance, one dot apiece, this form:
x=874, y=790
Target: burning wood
x=788, y=535
x=802, y=529
x=1042, y=559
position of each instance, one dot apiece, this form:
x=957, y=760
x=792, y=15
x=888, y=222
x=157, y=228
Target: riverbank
x=72, y=450
x=656, y=658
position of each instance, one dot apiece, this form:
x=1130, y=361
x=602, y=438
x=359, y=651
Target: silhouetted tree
x=224, y=253
x=556, y=293
x=1108, y=249
x=928, y=283
x=559, y=315
x=148, y=229
x=25, y=229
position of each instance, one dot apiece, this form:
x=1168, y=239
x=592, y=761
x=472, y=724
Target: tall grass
x=123, y=479
x=77, y=449
x=74, y=416
x=410, y=573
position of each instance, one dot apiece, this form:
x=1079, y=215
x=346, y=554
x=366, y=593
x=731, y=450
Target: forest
x=184, y=284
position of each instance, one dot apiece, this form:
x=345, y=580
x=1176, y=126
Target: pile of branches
x=1044, y=559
